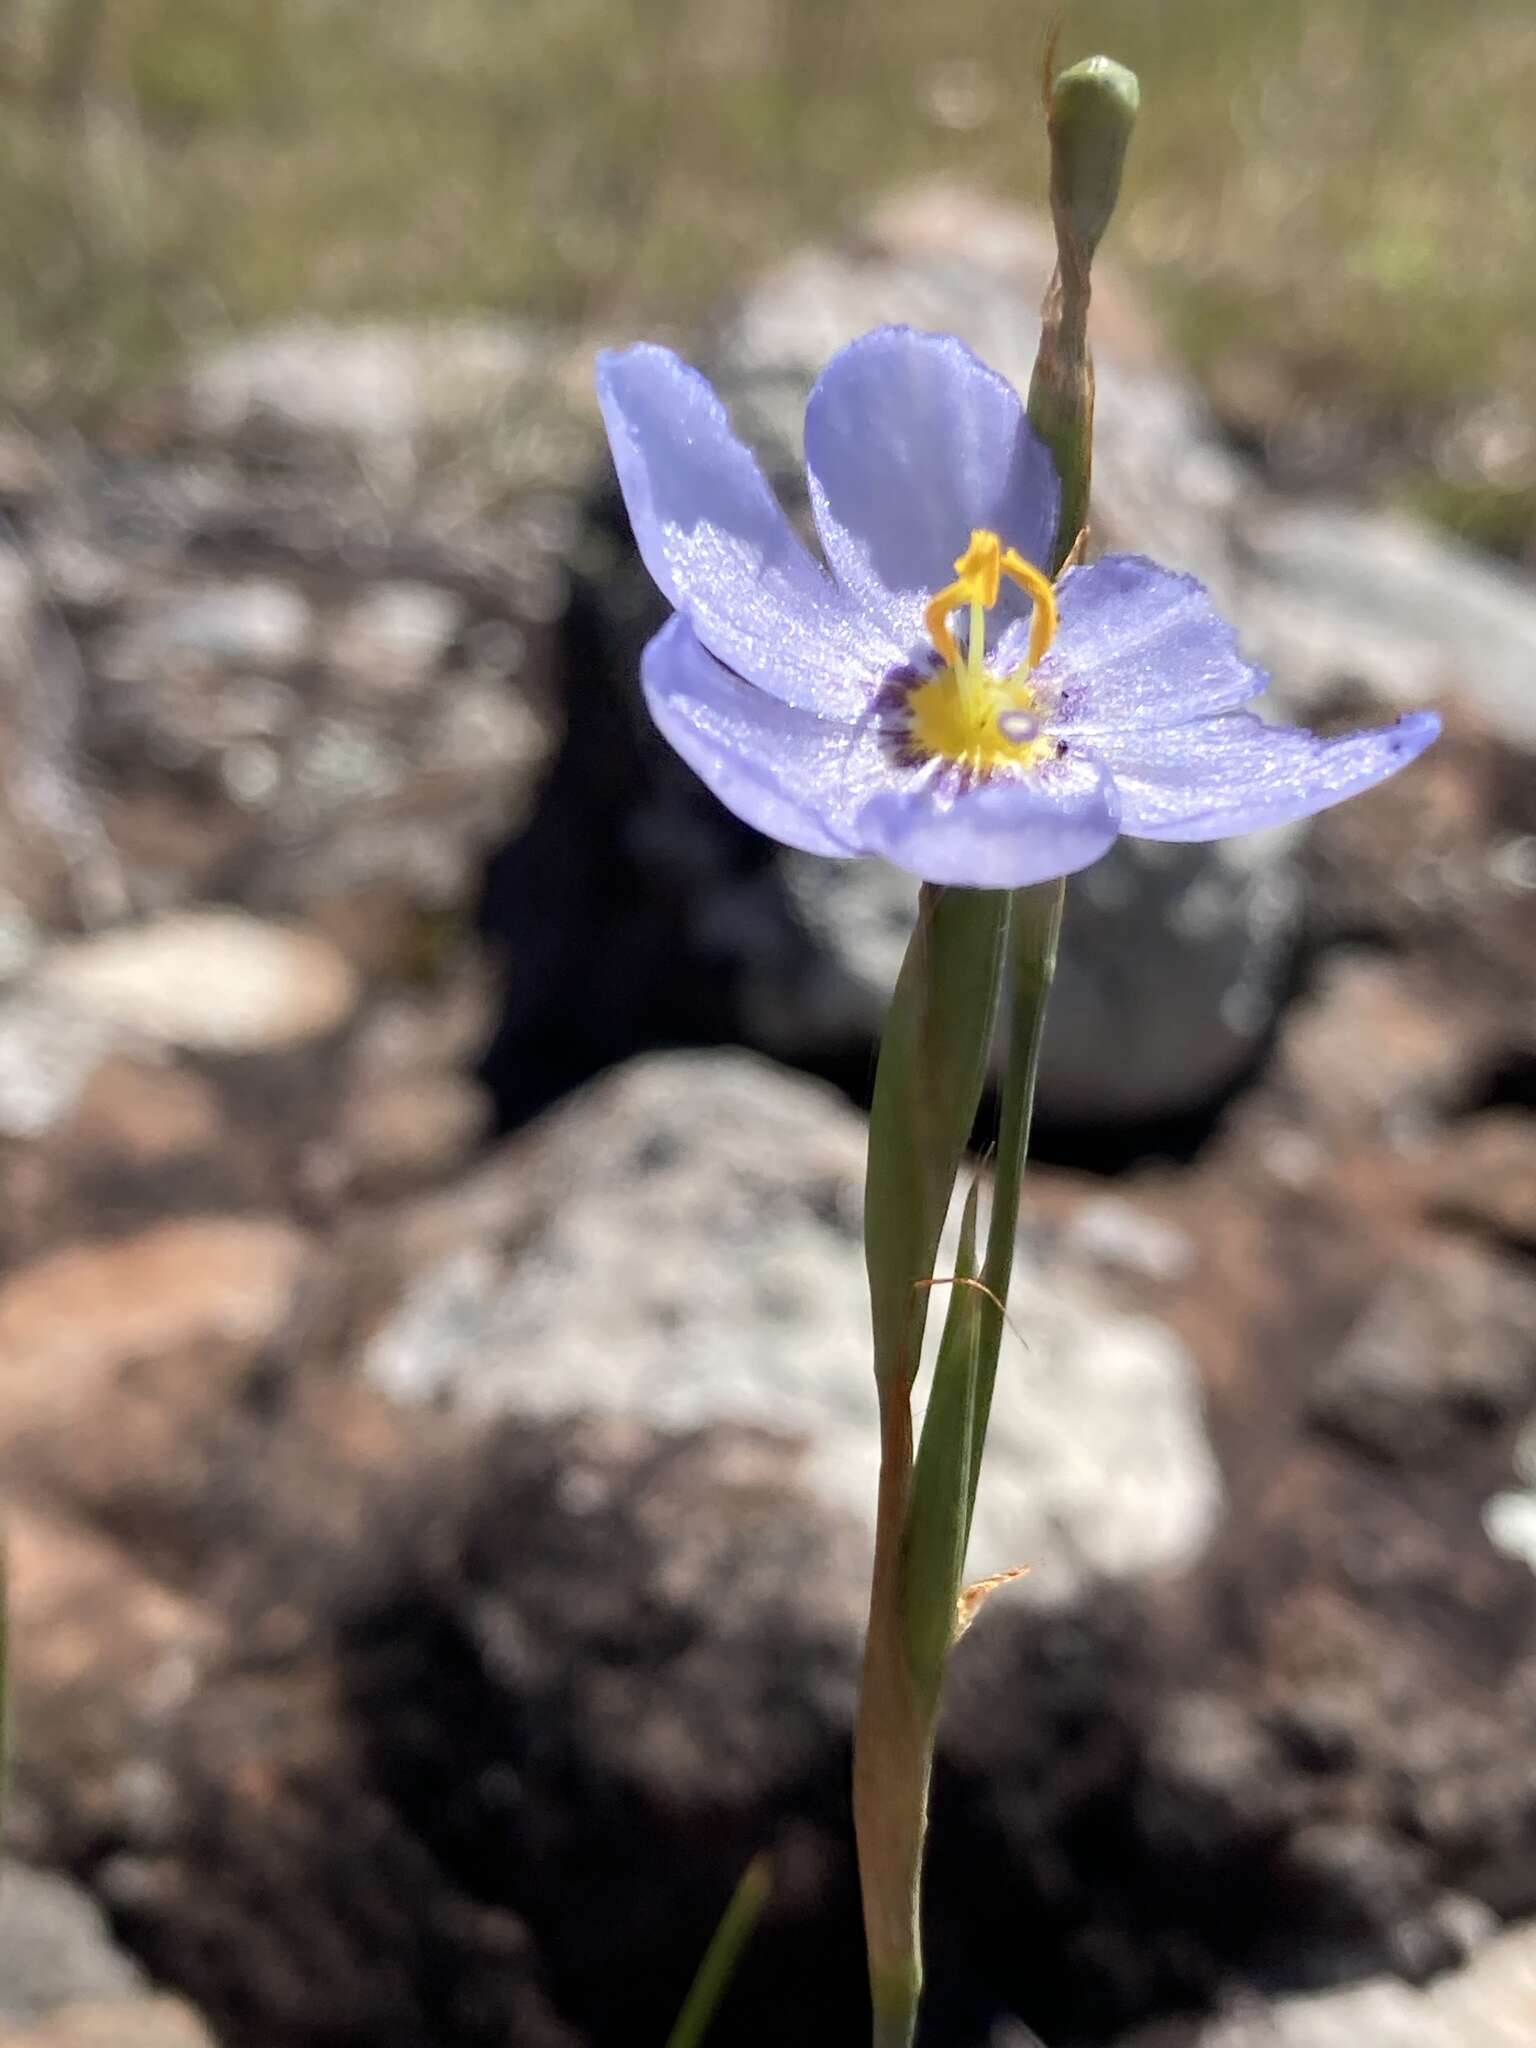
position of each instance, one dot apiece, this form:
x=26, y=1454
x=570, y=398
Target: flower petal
x=1138, y=645
x=1000, y=834
x=1219, y=776
x=792, y=775
x=910, y=442
x=717, y=541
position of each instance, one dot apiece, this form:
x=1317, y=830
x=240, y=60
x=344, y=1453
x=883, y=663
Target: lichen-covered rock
x=680, y=1243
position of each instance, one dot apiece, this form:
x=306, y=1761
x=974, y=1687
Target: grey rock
x=252, y=622
x=1332, y=595
x=1176, y=954
x=210, y=980
x=368, y=385
x=55, y=1946
x=687, y=1250
x=1172, y=968
x=1450, y=1334
x=1509, y=1519
x=48, y=1051
x=393, y=635
x=54, y=855
x=502, y=401
x=20, y=939
x=1116, y=1236
x=1491, y=2003
x=145, y=2022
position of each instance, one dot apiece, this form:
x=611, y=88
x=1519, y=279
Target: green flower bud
x=1092, y=110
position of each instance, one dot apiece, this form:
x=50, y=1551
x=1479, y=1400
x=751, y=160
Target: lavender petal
x=1233, y=773
x=1137, y=645
x=716, y=540
x=796, y=777
x=999, y=834
x=910, y=443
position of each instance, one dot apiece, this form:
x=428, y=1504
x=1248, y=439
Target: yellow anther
x=978, y=579
x=979, y=568
x=964, y=714
x=1042, y=625
x=936, y=621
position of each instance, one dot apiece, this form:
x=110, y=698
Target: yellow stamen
x=1042, y=625
x=965, y=714
x=978, y=578
x=980, y=567
x=936, y=621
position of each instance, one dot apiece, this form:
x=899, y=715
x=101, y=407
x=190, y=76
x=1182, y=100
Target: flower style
x=839, y=710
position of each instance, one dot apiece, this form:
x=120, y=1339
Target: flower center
x=964, y=713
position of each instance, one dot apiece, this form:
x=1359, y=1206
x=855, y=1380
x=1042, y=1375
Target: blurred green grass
x=1334, y=199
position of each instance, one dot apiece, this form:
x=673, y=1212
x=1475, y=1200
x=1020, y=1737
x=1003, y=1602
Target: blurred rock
x=56, y=862
x=1227, y=913
x=1485, y=1176
x=1373, y=1054
x=1449, y=1338
x=64, y=1982
x=55, y=1946
x=1173, y=963
x=48, y=1051
x=74, y=1318
x=117, y=2023
x=255, y=624
x=1408, y=614
x=409, y=1128
x=370, y=387
x=210, y=980
x=393, y=635
x=1491, y=2003
x=1115, y=1235
x=146, y=1112
x=112, y=1656
x=681, y=1243
x=505, y=404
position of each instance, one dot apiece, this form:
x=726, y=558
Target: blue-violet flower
x=930, y=696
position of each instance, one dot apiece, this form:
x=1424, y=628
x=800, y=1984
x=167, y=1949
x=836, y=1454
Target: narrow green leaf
x=933, y=1062
x=721, y=1957
x=1034, y=932
x=938, y=1519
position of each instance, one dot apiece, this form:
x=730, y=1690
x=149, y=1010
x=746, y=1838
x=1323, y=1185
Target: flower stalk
x=829, y=704
x=928, y=1084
